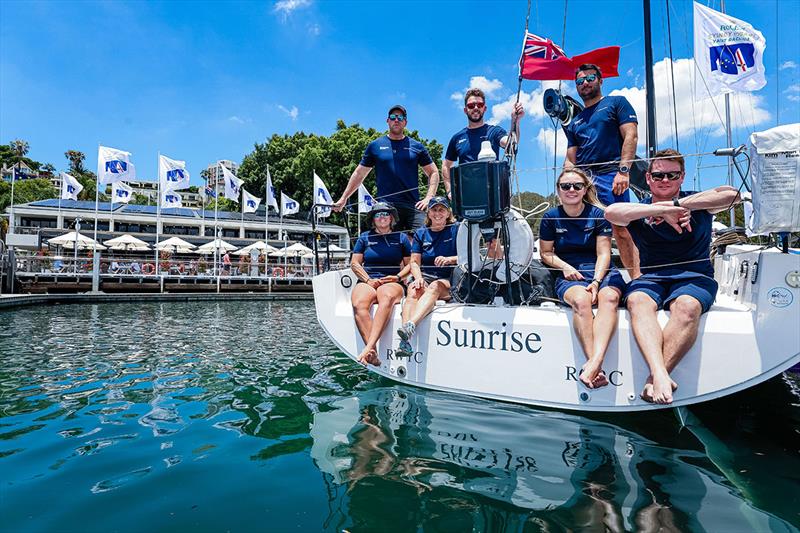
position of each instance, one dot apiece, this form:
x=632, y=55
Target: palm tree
x=20, y=147
x=75, y=158
x=48, y=169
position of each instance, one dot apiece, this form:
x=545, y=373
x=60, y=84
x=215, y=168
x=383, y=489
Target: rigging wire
x=672, y=75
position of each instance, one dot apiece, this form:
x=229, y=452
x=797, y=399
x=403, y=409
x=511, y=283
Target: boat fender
x=519, y=254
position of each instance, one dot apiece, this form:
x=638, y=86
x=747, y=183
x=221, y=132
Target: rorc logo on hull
x=487, y=339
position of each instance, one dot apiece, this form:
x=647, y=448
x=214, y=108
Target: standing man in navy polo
x=465, y=145
x=395, y=158
x=601, y=140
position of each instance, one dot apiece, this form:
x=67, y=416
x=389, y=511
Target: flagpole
x=729, y=138
x=96, y=199
x=11, y=214
x=158, y=209
x=60, y=194
x=266, y=208
x=216, y=207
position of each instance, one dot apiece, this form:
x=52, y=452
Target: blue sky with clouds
x=204, y=81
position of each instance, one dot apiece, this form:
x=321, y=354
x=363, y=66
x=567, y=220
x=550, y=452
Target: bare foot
x=369, y=356
x=648, y=391
x=592, y=375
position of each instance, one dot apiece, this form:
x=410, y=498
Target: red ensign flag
x=543, y=60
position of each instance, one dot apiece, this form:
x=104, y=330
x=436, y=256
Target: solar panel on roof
x=73, y=204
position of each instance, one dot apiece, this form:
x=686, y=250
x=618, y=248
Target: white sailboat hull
x=530, y=355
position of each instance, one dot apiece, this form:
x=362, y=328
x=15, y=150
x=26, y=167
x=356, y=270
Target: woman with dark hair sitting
x=380, y=261
x=433, y=254
x=576, y=239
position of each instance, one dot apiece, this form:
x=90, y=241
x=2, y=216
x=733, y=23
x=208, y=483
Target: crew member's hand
x=417, y=284
x=374, y=283
x=518, y=112
x=389, y=279
x=441, y=261
x=679, y=218
x=571, y=273
x=422, y=205
x=620, y=184
x=593, y=289
x=339, y=205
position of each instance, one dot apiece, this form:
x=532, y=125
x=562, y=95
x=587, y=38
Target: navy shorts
x=663, y=288
x=411, y=219
x=613, y=279
x=603, y=184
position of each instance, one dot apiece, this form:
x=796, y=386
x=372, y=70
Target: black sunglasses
x=568, y=186
x=397, y=116
x=589, y=77
x=671, y=176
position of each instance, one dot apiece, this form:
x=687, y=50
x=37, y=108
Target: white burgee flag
x=172, y=174
x=232, y=185
x=272, y=200
x=728, y=53
x=171, y=199
x=289, y=206
x=321, y=197
x=114, y=165
x=121, y=192
x=365, y=200
x=70, y=187
x=249, y=202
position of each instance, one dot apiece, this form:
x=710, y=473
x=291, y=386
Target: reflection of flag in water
x=171, y=199
x=249, y=202
x=289, y=206
x=733, y=58
x=365, y=200
x=70, y=187
x=121, y=192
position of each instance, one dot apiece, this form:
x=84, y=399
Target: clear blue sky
x=204, y=81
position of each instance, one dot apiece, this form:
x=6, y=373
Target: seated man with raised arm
x=672, y=231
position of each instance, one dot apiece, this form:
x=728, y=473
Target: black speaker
x=481, y=190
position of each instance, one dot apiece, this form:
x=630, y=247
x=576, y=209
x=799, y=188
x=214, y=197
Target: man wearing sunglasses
x=395, y=158
x=465, y=145
x=672, y=231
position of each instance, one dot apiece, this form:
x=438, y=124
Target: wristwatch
x=624, y=169
x=675, y=202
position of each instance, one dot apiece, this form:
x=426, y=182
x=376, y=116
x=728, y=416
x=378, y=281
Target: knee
x=582, y=305
x=388, y=298
x=640, y=302
x=686, y=309
x=608, y=297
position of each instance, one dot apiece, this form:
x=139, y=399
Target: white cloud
x=490, y=88
x=292, y=113
x=286, y=7
x=238, y=120
x=531, y=103
x=545, y=139
x=793, y=92
x=314, y=29
x=787, y=64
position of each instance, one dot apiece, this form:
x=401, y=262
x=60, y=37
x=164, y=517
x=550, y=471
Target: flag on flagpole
x=249, y=202
x=114, y=165
x=209, y=192
x=70, y=187
x=365, y=200
x=121, y=192
x=728, y=53
x=321, y=197
x=232, y=185
x=289, y=206
x=172, y=174
x=272, y=200
x=542, y=59
x=171, y=199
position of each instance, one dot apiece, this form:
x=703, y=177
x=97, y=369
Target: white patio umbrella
x=127, y=242
x=73, y=238
x=176, y=245
x=261, y=246
x=209, y=247
x=295, y=250
x=333, y=249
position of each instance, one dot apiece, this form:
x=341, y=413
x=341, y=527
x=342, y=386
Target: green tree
x=47, y=170
x=140, y=199
x=10, y=154
x=26, y=191
x=75, y=158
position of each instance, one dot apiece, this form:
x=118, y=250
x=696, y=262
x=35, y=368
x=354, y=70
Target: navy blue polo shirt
x=595, y=131
x=574, y=239
x=465, y=145
x=383, y=254
x=660, y=246
x=395, y=164
x=431, y=244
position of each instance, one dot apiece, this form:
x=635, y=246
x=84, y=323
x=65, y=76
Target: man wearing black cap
x=396, y=158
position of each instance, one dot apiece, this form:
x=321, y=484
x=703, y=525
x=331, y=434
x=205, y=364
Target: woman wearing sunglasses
x=380, y=261
x=576, y=240
x=433, y=254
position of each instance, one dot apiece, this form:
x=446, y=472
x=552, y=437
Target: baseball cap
x=398, y=106
x=438, y=200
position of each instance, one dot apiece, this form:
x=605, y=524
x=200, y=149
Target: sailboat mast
x=650, y=92
x=729, y=139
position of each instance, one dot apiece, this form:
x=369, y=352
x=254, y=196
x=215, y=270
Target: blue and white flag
x=232, y=185
x=114, y=165
x=172, y=174
x=272, y=199
x=171, y=199
x=249, y=202
x=289, y=206
x=209, y=192
x=365, y=200
x=728, y=53
x=70, y=187
x=121, y=192
x=321, y=198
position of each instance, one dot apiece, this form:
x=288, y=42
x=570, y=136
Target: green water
x=242, y=416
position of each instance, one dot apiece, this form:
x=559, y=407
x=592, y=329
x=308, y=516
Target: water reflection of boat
x=485, y=464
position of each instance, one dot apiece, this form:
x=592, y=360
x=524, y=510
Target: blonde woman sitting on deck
x=380, y=261
x=433, y=254
x=576, y=239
